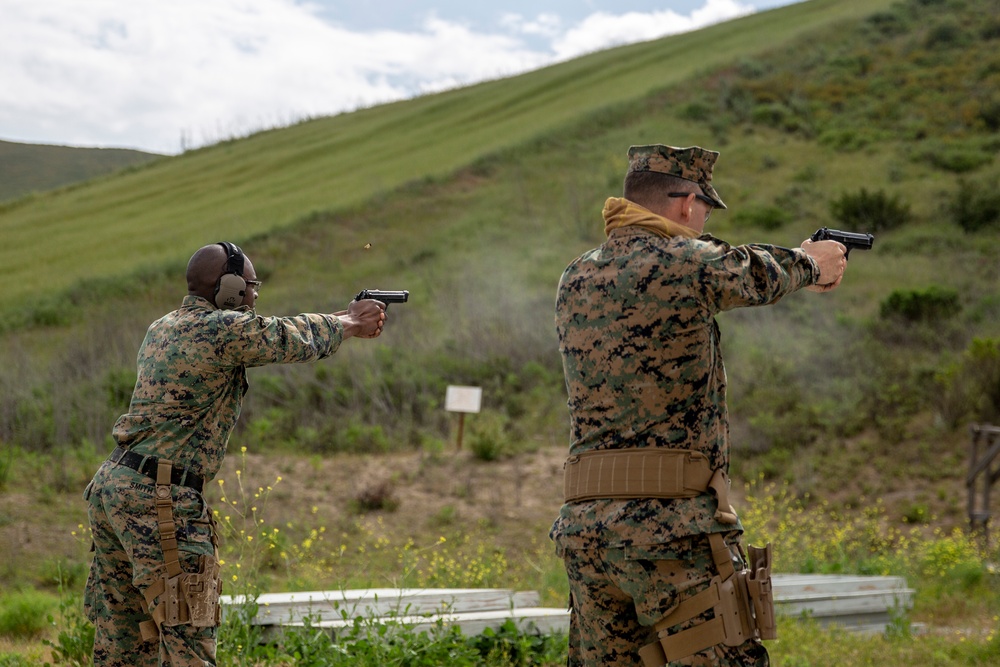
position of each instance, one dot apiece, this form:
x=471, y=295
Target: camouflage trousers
x=617, y=595
x=128, y=559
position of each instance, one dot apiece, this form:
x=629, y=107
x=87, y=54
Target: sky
x=165, y=76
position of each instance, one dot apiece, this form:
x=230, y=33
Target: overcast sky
x=161, y=74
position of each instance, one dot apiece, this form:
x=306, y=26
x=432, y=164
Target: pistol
x=386, y=297
x=851, y=240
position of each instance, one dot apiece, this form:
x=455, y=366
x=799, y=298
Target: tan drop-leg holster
x=184, y=598
x=741, y=601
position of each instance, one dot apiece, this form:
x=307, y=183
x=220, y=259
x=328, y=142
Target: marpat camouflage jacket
x=643, y=364
x=192, y=377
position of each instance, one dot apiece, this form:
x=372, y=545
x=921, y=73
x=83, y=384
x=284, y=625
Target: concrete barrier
x=857, y=603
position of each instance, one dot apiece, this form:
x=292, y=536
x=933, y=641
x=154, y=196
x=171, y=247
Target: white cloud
x=544, y=25
x=602, y=30
x=141, y=73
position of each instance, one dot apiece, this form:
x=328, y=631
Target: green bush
x=946, y=34
x=488, y=439
x=23, y=615
x=971, y=385
x=931, y=304
x=768, y=218
x=957, y=158
x=976, y=205
x=887, y=24
x=870, y=211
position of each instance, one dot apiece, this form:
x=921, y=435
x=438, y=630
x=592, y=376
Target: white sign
x=463, y=399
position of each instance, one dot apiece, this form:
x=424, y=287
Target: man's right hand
x=363, y=319
x=830, y=257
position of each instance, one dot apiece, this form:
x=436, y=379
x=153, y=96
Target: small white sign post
x=462, y=400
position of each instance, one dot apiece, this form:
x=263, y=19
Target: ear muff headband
x=231, y=288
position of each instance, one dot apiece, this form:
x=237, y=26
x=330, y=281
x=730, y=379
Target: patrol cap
x=692, y=164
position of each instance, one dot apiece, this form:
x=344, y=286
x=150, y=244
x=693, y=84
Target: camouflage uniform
x=643, y=367
x=187, y=398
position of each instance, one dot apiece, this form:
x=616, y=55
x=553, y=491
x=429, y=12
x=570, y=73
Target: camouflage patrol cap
x=692, y=164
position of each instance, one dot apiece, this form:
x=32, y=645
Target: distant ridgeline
x=27, y=168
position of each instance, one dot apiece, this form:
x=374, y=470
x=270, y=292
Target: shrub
x=972, y=384
x=946, y=34
x=375, y=497
x=976, y=206
x=764, y=217
x=931, y=304
x=870, y=211
x=695, y=111
x=991, y=29
x=956, y=158
x=23, y=615
x=488, y=439
x=887, y=24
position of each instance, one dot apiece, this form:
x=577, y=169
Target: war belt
x=147, y=465
x=645, y=472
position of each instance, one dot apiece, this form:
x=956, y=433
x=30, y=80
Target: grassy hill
x=873, y=116
x=147, y=218
x=31, y=168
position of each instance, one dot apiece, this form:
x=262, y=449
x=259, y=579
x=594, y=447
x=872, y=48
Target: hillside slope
x=242, y=188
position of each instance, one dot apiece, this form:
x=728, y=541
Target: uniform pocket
x=194, y=525
x=654, y=575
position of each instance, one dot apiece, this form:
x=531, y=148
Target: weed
x=74, y=641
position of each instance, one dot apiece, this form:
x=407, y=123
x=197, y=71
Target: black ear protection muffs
x=231, y=288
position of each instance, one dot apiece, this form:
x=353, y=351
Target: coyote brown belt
x=645, y=472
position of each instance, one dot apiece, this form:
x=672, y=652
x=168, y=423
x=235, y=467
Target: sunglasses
x=707, y=200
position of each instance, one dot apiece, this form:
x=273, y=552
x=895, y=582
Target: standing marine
x=154, y=585
x=651, y=545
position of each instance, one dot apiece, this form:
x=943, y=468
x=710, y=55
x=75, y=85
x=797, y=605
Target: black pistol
x=386, y=297
x=851, y=240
